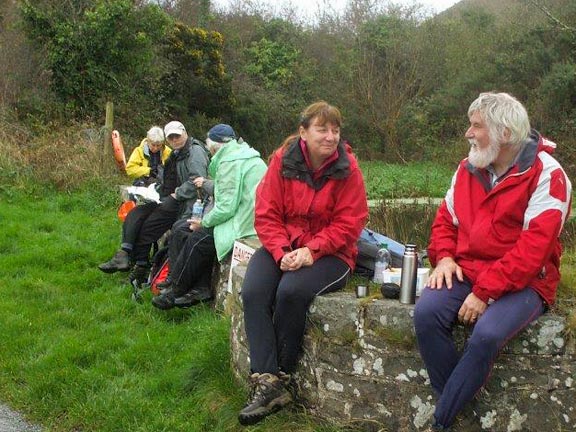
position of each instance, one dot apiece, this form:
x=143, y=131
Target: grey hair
x=214, y=146
x=155, y=134
x=502, y=111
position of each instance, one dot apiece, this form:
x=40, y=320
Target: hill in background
x=514, y=12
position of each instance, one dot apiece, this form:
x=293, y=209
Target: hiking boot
x=164, y=301
x=190, y=299
x=139, y=281
x=167, y=300
x=268, y=395
x=164, y=290
x=139, y=274
x=119, y=262
x=289, y=383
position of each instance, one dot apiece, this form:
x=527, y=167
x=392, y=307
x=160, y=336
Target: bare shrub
x=21, y=76
x=65, y=157
x=404, y=222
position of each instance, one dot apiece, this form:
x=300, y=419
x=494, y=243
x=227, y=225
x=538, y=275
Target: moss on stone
x=395, y=337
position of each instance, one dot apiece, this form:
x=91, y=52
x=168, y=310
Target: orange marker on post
x=119, y=155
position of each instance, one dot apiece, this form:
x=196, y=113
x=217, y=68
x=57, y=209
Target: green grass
x=406, y=181
x=78, y=354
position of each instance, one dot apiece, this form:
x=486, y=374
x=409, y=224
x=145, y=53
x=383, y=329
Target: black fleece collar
x=294, y=166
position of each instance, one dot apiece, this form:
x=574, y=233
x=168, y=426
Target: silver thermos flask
x=409, y=275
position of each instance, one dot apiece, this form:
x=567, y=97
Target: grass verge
x=78, y=355
x=423, y=179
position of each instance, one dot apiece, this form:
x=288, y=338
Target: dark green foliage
x=107, y=53
x=133, y=55
x=271, y=62
x=402, y=79
x=272, y=76
x=386, y=80
x=196, y=80
x=404, y=222
x=557, y=93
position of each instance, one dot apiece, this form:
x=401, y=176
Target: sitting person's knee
x=293, y=294
x=425, y=313
x=250, y=295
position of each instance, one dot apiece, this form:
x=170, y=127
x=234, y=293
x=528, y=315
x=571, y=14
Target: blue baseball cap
x=222, y=133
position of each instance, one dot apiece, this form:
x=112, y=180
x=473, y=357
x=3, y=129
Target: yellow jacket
x=139, y=163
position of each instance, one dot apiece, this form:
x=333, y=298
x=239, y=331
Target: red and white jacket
x=506, y=237
x=324, y=211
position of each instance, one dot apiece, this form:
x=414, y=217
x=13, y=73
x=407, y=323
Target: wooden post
x=107, y=160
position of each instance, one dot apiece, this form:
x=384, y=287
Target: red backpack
x=160, y=270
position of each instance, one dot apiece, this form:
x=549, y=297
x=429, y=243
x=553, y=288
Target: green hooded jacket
x=236, y=169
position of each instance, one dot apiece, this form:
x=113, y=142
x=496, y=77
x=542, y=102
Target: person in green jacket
x=235, y=171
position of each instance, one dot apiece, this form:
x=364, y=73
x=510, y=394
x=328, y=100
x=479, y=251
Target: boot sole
x=260, y=414
x=191, y=303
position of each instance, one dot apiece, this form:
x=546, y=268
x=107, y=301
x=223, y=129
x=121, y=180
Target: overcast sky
x=310, y=7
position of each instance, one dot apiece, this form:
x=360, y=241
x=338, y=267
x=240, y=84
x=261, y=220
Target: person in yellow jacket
x=148, y=157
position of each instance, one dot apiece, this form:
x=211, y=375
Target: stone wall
x=360, y=367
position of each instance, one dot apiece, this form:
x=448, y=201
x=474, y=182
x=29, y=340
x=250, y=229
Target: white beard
x=481, y=158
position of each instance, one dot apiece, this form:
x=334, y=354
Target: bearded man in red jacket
x=495, y=248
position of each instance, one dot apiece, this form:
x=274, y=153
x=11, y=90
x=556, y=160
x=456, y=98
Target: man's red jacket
x=505, y=237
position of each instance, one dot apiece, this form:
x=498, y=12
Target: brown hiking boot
x=268, y=395
x=119, y=262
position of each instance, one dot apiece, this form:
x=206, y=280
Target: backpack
x=160, y=269
x=368, y=245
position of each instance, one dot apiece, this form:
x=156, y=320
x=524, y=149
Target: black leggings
x=276, y=304
x=146, y=224
x=191, y=256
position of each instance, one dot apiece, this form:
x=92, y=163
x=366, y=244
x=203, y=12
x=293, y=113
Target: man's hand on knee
x=443, y=273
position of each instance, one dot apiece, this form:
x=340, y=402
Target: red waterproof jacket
x=505, y=237
x=296, y=209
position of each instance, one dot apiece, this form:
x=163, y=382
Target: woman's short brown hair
x=323, y=111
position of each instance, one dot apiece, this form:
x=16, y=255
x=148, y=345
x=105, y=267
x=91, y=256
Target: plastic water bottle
x=383, y=259
x=197, y=211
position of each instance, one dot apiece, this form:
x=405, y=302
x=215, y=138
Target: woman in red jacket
x=310, y=208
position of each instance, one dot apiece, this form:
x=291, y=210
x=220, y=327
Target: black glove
x=154, y=172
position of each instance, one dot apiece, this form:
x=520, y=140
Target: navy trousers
x=456, y=377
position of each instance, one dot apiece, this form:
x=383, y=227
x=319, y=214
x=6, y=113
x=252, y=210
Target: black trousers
x=191, y=255
x=145, y=224
x=276, y=304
